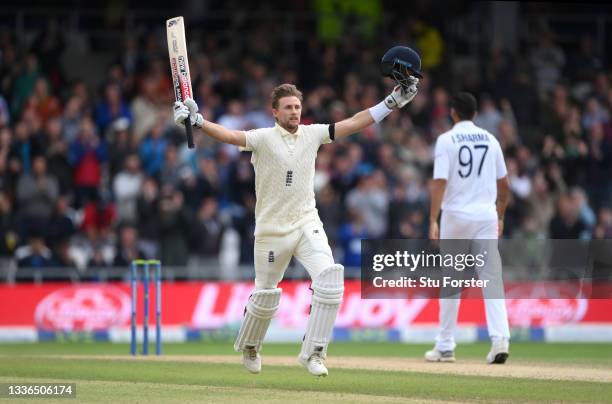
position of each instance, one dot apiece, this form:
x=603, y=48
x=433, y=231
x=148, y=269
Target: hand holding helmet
x=400, y=97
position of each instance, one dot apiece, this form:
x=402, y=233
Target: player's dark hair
x=464, y=105
x=284, y=90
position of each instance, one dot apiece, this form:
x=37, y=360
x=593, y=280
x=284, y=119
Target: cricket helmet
x=399, y=63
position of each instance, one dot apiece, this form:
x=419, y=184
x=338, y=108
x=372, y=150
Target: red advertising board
x=211, y=305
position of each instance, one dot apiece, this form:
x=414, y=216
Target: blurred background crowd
x=94, y=173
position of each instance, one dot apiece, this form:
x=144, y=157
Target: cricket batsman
x=287, y=223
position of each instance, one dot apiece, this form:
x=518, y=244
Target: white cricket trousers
x=308, y=244
x=455, y=227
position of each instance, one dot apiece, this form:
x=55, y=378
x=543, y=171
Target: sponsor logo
x=171, y=23
x=83, y=308
x=185, y=86
x=289, y=178
x=221, y=305
x=542, y=312
x=176, y=80
x=271, y=256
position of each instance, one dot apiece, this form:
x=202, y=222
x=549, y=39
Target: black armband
x=332, y=131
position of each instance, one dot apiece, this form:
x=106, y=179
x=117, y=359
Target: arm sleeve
x=500, y=164
x=325, y=133
x=441, y=161
x=253, y=139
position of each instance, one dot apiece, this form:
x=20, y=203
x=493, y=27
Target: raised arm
x=361, y=120
x=189, y=109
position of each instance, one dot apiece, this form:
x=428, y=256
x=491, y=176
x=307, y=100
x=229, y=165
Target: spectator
x=36, y=196
x=145, y=107
x=112, y=107
x=208, y=230
x=95, y=244
x=541, y=202
x=148, y=218
x=331, y=213
x=567, y=222
x=171, y=171
x=547, y=59
x=153, y=148
x=62, y=257
x=244, y=223
x=351, y=234
x=24, y=83
x=71, y=119
x=61, y=225
x=400, y=208
x=599, y=167
x=489, y=117
x=44, y=104
x=242, y=178
x=520, y=183
x=98, y=219
x=581, y=204
x=121, y=145
x=57, y=155
x=127, y=250
x=234, y=119
x=126, y=188
x=86, y=155
x=371, y=200
x=35, y=254
x=174, y=218
x=24, y=148
x=594, y=114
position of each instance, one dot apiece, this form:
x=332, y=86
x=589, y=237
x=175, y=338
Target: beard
x=290, y=125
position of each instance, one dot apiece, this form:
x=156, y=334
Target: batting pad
x=259, y=311
x=328, y=288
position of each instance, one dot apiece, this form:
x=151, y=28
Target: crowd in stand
x=99, y=176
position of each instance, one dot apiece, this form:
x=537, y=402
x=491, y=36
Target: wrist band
x=379, y=111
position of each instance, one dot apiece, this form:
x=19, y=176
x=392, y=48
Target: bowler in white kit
x=470, y=187
x=287, y=221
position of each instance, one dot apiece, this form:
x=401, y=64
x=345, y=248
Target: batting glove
x=400, y=97
x=181, y=112
x=187, y=109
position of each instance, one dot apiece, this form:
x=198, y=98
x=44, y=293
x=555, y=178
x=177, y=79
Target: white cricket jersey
x=284, y=176
x=471, y=160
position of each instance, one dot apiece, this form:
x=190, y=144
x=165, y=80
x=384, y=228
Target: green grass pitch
x=105, y=372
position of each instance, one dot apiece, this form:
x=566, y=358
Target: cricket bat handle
x=189, y=131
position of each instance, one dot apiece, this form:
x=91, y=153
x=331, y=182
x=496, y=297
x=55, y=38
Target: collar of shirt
x=286, y=133
x=463, y=124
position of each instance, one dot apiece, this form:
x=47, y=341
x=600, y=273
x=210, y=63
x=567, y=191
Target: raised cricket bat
x=179, y=65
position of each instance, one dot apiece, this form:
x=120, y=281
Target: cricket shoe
x=314, y=365
x=436, y=355
x=499, y=351
x=251, y=359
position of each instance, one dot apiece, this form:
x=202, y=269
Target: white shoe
x=314, y=365
x=439, y=356
x=499, y=351
x=251, y=359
